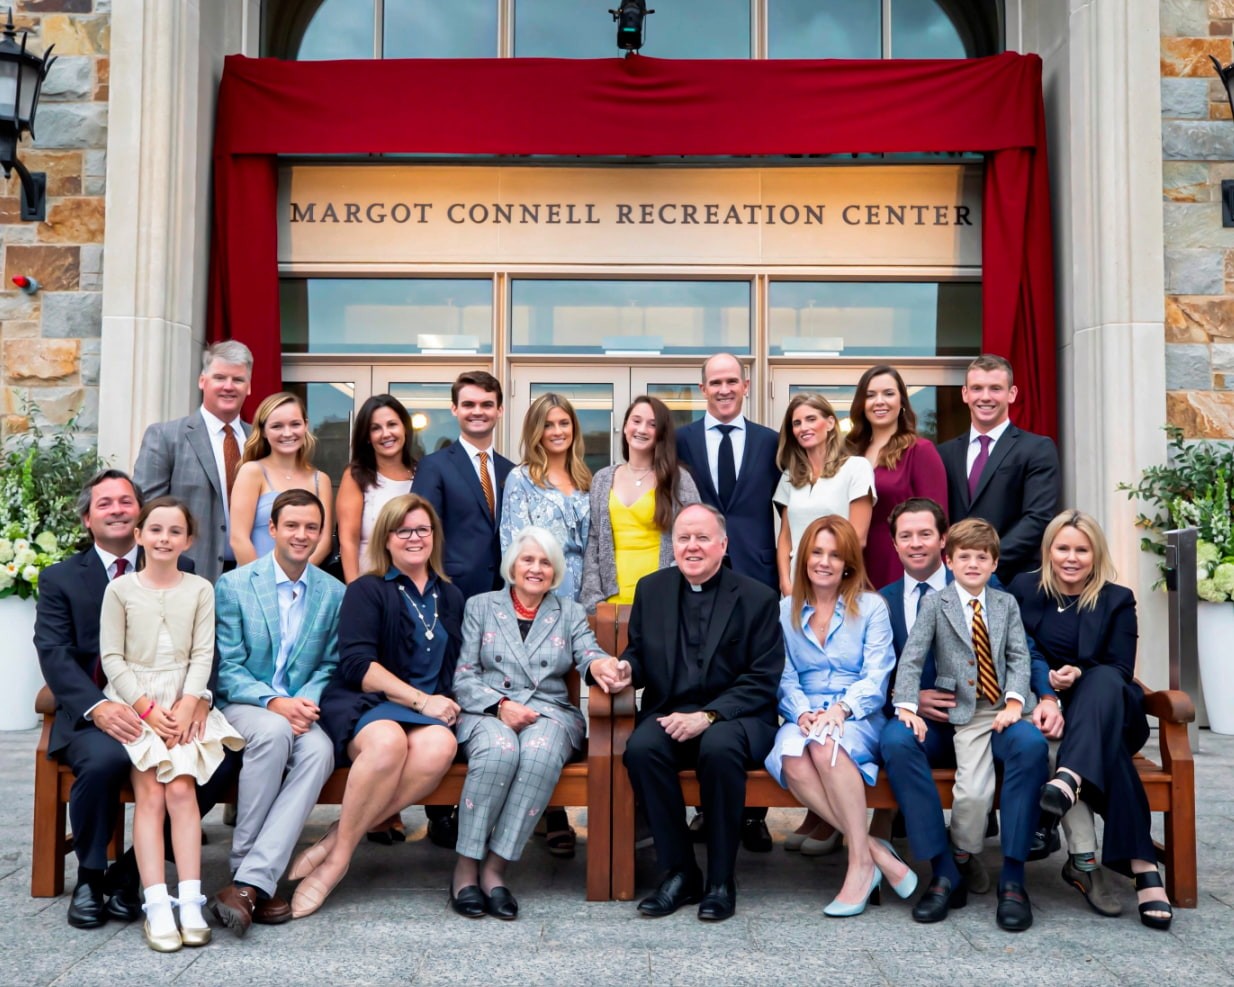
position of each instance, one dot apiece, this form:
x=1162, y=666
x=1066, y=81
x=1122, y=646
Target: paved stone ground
x=388, y=922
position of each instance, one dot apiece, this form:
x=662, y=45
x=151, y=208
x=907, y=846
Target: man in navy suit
x=89, y=729
x=919, y=531
x=1001, y=473
x=733, y=461
x=464, y=483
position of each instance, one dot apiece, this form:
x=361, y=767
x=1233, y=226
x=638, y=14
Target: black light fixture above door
x=630, y=17
x=1226, y=73
x=21, y=81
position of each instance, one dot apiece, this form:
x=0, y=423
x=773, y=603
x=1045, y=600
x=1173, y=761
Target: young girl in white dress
x=156, y=639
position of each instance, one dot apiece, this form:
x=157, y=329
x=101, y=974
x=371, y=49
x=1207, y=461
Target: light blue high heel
x=839, y=909
x=908, y=883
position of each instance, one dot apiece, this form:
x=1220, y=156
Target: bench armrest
x=1168, y=705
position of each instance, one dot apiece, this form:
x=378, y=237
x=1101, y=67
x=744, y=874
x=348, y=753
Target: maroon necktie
x=974, y=475
x=122, y=566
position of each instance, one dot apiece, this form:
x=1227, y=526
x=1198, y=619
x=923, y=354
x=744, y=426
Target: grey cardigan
x=600, y=559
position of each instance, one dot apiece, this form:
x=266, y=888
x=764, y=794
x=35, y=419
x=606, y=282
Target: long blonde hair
x=257, y=446
x=793, y=459
x=1103, y=568
x=533, y=451
x=853, y=582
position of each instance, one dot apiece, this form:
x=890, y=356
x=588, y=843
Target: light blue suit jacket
x=247, y=634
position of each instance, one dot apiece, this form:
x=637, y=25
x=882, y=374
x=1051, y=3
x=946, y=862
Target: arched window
x=327, y=29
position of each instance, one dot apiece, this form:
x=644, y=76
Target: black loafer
x=938, y=899
x=719, y=903
x=443, y=831
x=125, y=905
x=679, y=888
x=1015, y=913
x=1046, y=841
x=86, y=908
x=469, y=902
x=755, y=837
x=502, y=905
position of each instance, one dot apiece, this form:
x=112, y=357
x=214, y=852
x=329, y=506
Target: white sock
x=191, y=899
x=158, y=910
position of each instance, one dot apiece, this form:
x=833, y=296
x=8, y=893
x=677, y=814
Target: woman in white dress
x=381, y=469
x=819, y=478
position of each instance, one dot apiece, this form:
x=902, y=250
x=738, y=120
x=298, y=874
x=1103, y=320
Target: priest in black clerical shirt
x=706, y=648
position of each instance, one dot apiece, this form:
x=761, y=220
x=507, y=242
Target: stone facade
x=1197, y=150
x=50, y=341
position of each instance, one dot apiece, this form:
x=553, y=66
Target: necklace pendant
x=638, y=483
x=428, y=633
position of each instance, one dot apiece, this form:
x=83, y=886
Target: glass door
x=424, y=391
x=599, y=396
x=331, y=394
x=934, y=392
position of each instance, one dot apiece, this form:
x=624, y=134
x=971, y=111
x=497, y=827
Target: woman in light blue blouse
x=549, y=490
x=837, y=637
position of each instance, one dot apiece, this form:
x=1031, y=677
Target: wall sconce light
x=1226, y=74
x=21, y=80
x=630, y=17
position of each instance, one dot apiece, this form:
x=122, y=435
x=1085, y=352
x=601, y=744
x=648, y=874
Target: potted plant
x=1193, y=490
x=41, y=476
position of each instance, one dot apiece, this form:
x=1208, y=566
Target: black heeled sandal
x=1054, y=800
x=1152, y=879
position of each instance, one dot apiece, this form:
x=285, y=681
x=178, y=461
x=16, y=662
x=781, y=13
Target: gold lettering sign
x=902, y=215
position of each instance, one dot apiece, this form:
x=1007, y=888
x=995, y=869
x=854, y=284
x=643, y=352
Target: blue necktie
x=922, y=590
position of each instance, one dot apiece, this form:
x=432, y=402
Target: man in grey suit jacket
x=189, y=457
x=278, y=646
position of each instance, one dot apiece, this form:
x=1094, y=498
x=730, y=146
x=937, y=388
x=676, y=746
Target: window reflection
x=929, y=29
x=339, y=29
x=387, y=315
x=839, y=318
x=433, y=427
x=642, y=317
x=432, y=29
x=677, y=29
x=330, y=407
x=831, y=29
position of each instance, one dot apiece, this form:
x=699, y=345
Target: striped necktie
x=486, y=482
x=987, y=678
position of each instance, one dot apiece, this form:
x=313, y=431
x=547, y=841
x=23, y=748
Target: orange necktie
x=231, y=457
x=486, y=482
x=987, y=678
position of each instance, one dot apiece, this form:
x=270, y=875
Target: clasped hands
x=823, y=721
x=184, y=722
x=611, y=674
x=300, y=713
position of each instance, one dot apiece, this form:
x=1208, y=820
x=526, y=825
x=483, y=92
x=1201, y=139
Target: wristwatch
x=711, y=715
x=844, y=706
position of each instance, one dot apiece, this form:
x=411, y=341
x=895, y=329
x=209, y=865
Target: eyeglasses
x=406, y=534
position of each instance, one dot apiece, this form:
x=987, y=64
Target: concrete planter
x=19, y=665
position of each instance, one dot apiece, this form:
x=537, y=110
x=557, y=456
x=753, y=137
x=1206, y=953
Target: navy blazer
x=66, y=636
x=893, y=594
x=447, y=480
x=374, y=625
x=1018, y=493
x=1108, y=632
x=750, y=512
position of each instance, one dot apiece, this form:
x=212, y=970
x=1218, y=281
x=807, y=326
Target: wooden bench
x=585, y=782
x=1170, y=786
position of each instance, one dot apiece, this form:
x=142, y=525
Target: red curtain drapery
x=642, y=106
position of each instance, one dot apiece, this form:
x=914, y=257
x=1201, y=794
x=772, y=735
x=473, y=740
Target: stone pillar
x=1102, y=104
x=166, y=63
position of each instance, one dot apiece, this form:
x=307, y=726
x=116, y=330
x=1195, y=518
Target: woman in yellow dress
x=633, y=506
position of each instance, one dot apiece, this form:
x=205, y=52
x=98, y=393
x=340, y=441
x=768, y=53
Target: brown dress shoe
x=272, y=911
x=234, y=907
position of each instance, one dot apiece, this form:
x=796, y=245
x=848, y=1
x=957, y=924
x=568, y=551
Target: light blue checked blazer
x=246, y=611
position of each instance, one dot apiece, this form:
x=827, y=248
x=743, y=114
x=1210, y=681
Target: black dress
x=1104, y=710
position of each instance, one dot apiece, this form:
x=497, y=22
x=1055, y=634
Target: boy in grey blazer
x=982, y=655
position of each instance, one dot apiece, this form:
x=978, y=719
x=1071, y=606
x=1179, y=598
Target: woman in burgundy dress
x=884, y=430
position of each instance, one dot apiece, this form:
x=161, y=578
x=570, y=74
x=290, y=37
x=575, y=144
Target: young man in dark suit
x=464, y=483
x=1001, y=473
x=90, y=730
x=733, y=461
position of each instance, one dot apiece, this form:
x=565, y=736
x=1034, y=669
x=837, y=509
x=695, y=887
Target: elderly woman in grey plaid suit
x=518, y=727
